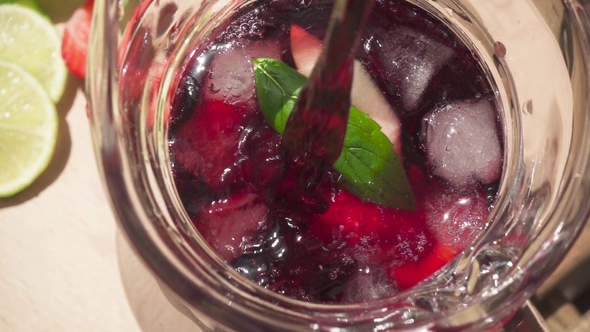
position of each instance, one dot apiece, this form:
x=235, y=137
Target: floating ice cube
x=368, y=285
x=456, y=217
x=230, y=223
x=411, y=58
x=462, y=142
x=232, y=77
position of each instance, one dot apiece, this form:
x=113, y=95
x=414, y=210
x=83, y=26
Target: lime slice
x=28, y=129
x=30, y=40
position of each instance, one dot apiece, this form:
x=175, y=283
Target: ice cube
x=411, y=58
x=231, y=77
x=462, y=142
x=367, y=285
x=228, y=224
x=456, y=217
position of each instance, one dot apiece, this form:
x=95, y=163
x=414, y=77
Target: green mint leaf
x=371, y=168
x=277, y=85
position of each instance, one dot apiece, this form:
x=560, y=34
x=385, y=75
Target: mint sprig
x=371, y=168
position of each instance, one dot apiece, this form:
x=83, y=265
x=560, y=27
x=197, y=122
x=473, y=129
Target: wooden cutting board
x=58, y=261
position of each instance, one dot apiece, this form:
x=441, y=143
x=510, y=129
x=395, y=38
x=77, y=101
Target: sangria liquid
x=332, y=246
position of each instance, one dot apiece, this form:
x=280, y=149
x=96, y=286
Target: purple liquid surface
x=327, y=245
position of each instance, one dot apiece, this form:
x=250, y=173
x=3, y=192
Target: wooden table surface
x=60, y=258
x=58, y=261
x=63, y=267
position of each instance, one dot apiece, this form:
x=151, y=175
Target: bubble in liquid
x=214, y=89
x=368, y=284
x=333, y=274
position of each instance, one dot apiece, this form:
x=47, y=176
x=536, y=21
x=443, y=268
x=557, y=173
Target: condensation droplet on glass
x=276, y=272
x=528, y=107
x=333, y=274
x=499, y=49
x=256, y=28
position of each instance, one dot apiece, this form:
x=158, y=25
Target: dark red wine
x=328, y=245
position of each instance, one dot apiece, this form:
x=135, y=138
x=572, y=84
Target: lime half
x=31, y=41
x=28, y=129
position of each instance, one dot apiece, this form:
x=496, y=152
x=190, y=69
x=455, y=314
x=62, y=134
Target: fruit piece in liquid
x=331, y=246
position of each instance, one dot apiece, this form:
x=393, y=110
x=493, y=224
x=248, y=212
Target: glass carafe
x=535, y=51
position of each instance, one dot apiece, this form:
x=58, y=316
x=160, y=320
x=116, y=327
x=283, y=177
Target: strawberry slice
x=75, y=39
x=365, y=95
x=411, y=273
x=229, y=223
x=306, y=49
x=391, y=232
x=347, y=219
x=207, y=144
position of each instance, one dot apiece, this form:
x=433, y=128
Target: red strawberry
x=347, y=219
x=228, y=223
x=374, y=234
x=306, y=49
x=411, y=273
x=350, y=219
x=75, y=39
x=207, y=145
